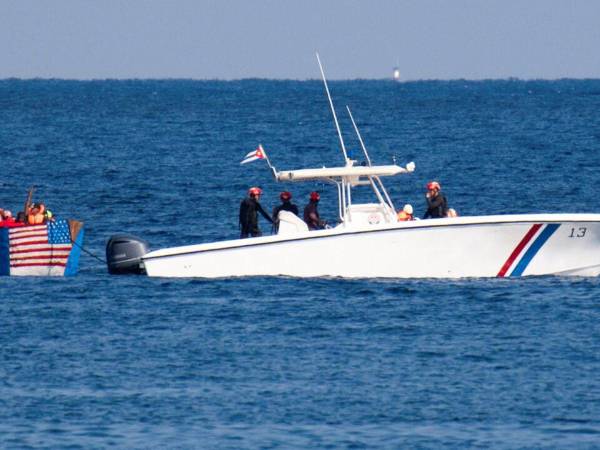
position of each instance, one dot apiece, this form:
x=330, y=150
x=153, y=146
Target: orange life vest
x=404, y=216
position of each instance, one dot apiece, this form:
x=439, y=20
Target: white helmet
x=408, y=209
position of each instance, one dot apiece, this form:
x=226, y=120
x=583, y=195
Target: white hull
x=481, y=246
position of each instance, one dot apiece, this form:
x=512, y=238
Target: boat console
x=366, y=214
x=289, y=223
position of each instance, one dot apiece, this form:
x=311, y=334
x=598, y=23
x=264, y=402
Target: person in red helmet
x=311, y=213
x=286, y=205
x=437, y=205
x=249, y=209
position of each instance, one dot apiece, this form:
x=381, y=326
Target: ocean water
x=100, y=361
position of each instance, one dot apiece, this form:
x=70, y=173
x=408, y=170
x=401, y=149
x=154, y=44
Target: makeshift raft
x=50, y=249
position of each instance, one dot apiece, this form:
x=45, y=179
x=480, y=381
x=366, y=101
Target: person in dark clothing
x=286, y=205
x=311, y=213
x=249, y=209
x=437, y=205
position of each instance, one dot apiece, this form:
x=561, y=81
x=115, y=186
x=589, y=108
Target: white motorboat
x=369, y=241
x=367, y=244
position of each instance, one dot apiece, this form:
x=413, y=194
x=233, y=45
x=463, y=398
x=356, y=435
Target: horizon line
x=226, y=80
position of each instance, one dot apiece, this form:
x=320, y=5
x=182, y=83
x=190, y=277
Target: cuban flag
x=42, y=250
x=259, y=153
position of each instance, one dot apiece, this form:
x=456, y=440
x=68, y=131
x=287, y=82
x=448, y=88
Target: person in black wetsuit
x=249, y=209
x=437, y=205
x=311, y=213
x=286, y=205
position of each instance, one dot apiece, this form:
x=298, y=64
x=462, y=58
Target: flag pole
x=28, y=202
x=273, y=170
x=265, y=153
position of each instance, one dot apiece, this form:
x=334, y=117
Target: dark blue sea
x=98, y=361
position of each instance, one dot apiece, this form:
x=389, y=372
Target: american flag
x=40, y=249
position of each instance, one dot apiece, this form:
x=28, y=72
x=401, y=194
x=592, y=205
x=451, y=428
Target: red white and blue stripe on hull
x=526, y=250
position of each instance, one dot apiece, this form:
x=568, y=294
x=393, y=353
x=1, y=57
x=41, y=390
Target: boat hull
x=485, y=246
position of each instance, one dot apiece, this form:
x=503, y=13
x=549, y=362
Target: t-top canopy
x=342, y=172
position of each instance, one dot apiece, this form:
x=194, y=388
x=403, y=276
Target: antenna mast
x=337, y=125
x=362, y=144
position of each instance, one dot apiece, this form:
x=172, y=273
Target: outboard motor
x=124, y=254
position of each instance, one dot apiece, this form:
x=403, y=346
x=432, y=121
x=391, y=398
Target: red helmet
x=285, y=195
x=314, y=196
x=433, y=186
x=254, y=191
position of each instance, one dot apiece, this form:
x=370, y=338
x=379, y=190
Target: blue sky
x=230, y=39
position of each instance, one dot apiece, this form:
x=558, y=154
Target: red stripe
x=28, y=235
x=47, y=256
x=518, y=249
x=32, y=227
x=45, y=241
x=17, y=231
x=29, y=240
x=38, y=264
x=43, y=249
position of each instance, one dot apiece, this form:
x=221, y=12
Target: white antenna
x=337, y=125
x=362, y=144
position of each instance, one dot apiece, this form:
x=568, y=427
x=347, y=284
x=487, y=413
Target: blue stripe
x=535, y=247
x=4, y=252
x=73, y=261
